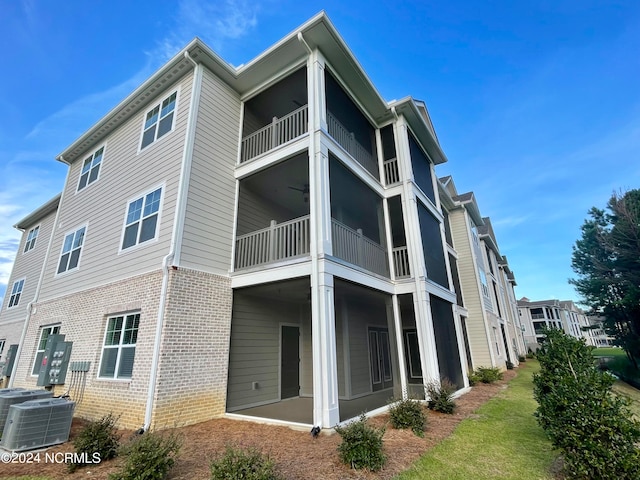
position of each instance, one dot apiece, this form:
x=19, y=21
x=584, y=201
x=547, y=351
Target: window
x=119, y=346
x=2, y=342
x=71, y=248
x=45, y=333
x=16, y=292
x=142, y=219
x=90, y=169
x=31, y=239
x=159, y=120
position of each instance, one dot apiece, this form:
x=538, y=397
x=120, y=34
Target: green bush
x=361, y=446
x=509, y=365
x=408, y=414
x=149, y=456
x=592, y=427
x=441, y=396
x=485, y=375
x=238, y=464
x=97, y=438
x=522, y=358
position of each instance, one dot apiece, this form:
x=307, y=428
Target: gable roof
x=317, y=32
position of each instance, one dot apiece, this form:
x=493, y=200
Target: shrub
x=487, y=375
x=441, y=396
x=592, y=427
x=509, y=365
x=408, y=414
x=522, y=358
x=98, y=437
x=149, y=456
x=361, y=445
x=243, y=464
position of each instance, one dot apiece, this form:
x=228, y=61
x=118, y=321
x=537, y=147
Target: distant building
x=560, y=314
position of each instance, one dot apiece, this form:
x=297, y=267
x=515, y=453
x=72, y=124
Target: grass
x=619, y=362
x=502, y=441
x=608, y=352
x=633, y=394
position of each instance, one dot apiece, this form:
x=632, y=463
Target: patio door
x=289, y=361
x=380, y=358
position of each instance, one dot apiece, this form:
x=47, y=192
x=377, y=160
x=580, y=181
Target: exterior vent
x=14, y=396
x=37, y=423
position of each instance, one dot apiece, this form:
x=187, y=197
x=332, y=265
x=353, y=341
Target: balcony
x=291, y=239
x=279, y=241
x=391, y=172
x=347, y=140
x=401, y=262
x=351, y=245
x=279, y=132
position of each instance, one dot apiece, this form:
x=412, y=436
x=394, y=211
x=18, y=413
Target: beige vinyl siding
x=469, y=281
x=126, y=173
x=208, y=227
x=254, y=354
x=29, y=267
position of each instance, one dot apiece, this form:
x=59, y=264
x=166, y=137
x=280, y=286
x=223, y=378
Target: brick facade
x=192, y=375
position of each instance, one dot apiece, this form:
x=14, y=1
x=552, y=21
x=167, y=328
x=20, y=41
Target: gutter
x=176, y=239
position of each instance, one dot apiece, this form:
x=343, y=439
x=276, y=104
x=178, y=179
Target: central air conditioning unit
x=18, y=396
x=37, y=424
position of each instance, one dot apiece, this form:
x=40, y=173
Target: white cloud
x=214, y=22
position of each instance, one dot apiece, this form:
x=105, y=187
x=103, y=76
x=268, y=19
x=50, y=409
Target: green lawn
x=608, y=352
x=504, y=441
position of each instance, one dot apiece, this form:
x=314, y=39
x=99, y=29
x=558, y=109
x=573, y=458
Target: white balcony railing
x=401, y=262
x=348, y=141
x=278, y=132
x=279, y=241
x=391, y=171
x=351, y=245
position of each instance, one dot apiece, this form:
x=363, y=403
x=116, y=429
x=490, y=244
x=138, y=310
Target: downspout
x=304, y=42
x=37, y=293
x=176, y=239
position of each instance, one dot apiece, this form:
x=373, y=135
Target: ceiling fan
x=304, y=190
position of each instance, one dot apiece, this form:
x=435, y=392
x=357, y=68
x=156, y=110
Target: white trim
x=64, y=238
x=9, y=293
x=84, y=159
x=158, y=104
x=35, y=239
x=143, y=195
x=124, y=316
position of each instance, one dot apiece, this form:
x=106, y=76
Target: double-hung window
x=16, y=292
x=90, y=169
x=119, y=347
x=31, y=239
x=45, y=333
x=71, y=248
x=159, y=120
x=141, y=223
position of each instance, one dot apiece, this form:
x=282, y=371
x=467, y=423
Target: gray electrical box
x=55, y=361
x=9, y=361
x=37, y=424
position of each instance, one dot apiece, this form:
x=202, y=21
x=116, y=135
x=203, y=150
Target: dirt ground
x=296, y=454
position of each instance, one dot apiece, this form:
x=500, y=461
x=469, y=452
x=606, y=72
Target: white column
x=325, y=373
x=395, y=323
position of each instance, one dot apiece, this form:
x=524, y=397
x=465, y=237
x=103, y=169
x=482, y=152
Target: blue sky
x=535, y=103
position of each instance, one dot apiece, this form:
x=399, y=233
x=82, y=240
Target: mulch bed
x=296, y=454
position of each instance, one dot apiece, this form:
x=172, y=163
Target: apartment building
x=486, y=284
x=263, y=241
x=560, y=314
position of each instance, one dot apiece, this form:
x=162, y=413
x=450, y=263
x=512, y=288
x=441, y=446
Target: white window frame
x=3, y=341
x=32, y=236
x=127, y=222
x=16, y=293
x=73, y=247
x=148, y=125
x=120, y=344
x=41, y=345
x=91, y=164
